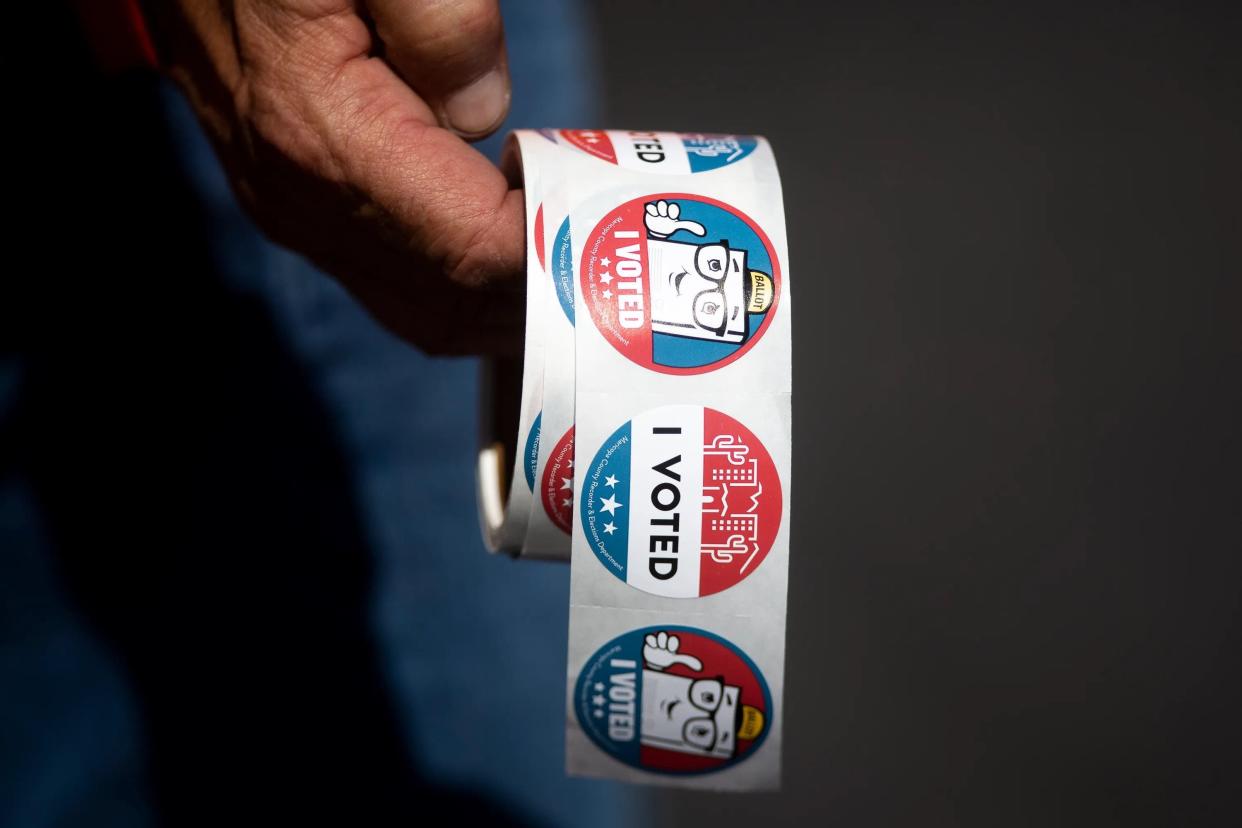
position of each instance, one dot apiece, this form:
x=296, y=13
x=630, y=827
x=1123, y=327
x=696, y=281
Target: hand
x=661, y=220
x=660, y=651
x=341, y=127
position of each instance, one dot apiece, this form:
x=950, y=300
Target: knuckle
x=292, y=57
x=286, y=130
x=459, y=25
x=458, y=38
x=468, y=269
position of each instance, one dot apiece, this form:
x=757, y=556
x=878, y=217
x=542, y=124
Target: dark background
x=1015, y=565
x=1013, y=236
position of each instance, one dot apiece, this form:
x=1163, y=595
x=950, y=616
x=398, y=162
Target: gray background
x=1013, y=232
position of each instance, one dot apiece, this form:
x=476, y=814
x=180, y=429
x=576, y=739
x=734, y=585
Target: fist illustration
x=660, y=649
x=662, y=220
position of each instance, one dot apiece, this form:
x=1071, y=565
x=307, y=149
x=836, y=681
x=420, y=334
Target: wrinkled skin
x=343, y=127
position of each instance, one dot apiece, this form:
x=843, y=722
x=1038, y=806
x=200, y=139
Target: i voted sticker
x=538, y=236
x=681, y=501
x=680, y=284
x=530, y=452
x=654, y=434
x=673, y=699
x=660, y=152
x=556, y=491
x=563, y=270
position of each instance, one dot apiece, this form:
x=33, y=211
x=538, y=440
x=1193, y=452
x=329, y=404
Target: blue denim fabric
x=472, y=646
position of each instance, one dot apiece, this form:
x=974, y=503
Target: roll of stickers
x=652, y=446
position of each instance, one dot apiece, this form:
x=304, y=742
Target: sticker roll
x=652, y=445
x=507, y=457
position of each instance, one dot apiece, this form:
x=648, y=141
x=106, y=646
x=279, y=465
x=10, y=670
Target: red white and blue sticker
x=673, y=699
x=538, y=231
x=556, y=490
x=678, y=283
x=661, y=152
x=681, y=501
x=563, y=270
x=530, y=452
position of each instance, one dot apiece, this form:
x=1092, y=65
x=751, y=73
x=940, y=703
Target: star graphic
x=569, y=464
x=605, y=277
x=609, y=528
x=567, y=502
x=610, y=505
x=605, y=261
x=607, y=294
x=567, y=483
x=599, y=713
x=598, y=700
x=611, y=480
x=599, y=687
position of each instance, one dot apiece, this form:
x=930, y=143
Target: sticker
x=681, y=501
x=531, y=451
x=539, y=237
x=677, y=383
x=661, y=152
x=557, y=489
x=673, y=699
x=563, y=272
x=680, y=284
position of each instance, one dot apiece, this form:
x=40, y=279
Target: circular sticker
x=557, y=489
x=661, y=152
x=530, y=452
x=681, y=501
x=680, y=284
x=563, y=270
x=538, y=231
x=672, y=699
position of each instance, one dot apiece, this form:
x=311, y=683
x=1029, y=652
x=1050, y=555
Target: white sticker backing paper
x=654, y=446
